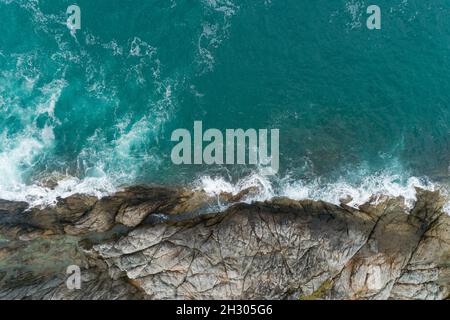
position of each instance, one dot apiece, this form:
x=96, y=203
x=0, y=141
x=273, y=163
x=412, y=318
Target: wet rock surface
x=158, y=243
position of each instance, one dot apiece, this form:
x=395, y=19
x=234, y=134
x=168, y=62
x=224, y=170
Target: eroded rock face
x=380, y=267
x=261, y=251
x=153, y=243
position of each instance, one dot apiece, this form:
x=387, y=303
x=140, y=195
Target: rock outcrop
x=159, y=243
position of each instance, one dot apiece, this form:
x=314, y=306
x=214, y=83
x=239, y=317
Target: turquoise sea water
x=359, y=111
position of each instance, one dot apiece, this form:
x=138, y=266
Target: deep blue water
x=356, y=108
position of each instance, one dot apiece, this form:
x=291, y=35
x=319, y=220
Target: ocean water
x=360, y=112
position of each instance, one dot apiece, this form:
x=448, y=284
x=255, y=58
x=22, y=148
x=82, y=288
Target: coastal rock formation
x=159, y=243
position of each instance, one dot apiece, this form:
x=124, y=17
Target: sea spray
x=95, y=111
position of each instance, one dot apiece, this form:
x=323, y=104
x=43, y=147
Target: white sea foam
x=370, y=189
x=20, y=151
x=37, y=195
x=355, y=9
x=213, y=34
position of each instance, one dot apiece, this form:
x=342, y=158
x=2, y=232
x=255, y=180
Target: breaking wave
x=371, y=189
x=92, y=111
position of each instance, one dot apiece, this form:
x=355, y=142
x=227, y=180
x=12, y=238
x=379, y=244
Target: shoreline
x=254, y=186
x=156, y=243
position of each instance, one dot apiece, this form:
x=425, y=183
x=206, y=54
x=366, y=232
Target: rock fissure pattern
x=279, y=249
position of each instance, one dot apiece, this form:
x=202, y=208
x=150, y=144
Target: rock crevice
x=158, y=243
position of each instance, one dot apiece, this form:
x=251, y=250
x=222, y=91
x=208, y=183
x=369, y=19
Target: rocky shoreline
x=158, y=243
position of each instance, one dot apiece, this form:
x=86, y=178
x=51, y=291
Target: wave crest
x=370, y=189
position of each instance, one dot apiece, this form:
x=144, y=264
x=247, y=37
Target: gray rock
x=281, y=249
x=11, y=207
